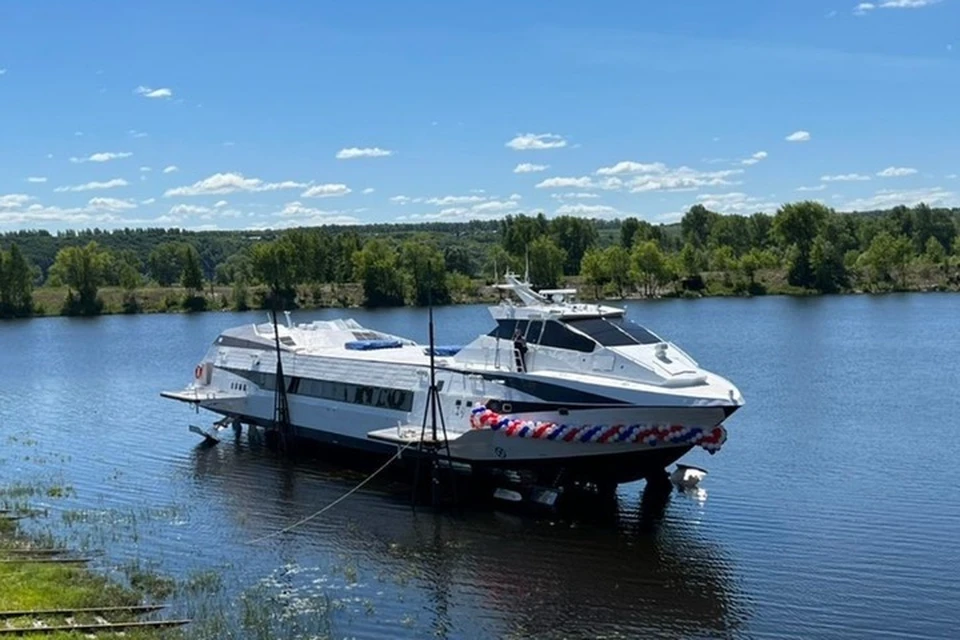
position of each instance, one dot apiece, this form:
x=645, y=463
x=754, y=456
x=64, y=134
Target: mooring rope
x=352, y=491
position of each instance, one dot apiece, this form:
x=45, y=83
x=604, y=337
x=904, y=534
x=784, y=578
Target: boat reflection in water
x=625, y=567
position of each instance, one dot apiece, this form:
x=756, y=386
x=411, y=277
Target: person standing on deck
x=520, y=350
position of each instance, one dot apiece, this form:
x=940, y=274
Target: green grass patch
x=29, y=586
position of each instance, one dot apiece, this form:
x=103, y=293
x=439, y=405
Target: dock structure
x=87, y=620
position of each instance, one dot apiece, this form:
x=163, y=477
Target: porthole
x=507, y=407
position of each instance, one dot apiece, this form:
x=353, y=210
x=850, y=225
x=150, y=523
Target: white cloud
x=137, y=134
x=845, y=177
x=17, y=209
x=896, y=172
x=145, y=169
x=487, y=210
x=147, y=92
x=886, y=198
x=220, y=204
x=299, y=209
x=528, y=167
x=535, y=141
x=446, y=201
x=951, y=176
x=682, y=179
x=222, y=183
x=368, y=191
x=148, y=201
x=735, y=202
x=326, y=191
x=171, y=169
x=577, y=195
x=628, y=166
x=90, y=186
x=584, y=182
x=587, y=210
x=819, y=187
x=41, y=215
x=3, y=72
x=653, y=176
x=658, y=177
x=494, y=205
x=301, y=215
x=111, y=204
x=798, y=136
x=366, y=152
x=865, y=7
x=36, y=179
x=104, y=156
x=188, y=210
x=14, y=200
x=755, y=158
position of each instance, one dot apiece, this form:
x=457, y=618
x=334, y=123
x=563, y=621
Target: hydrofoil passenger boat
x=558, y=391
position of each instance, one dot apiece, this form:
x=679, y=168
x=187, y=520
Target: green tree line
x=803, y=247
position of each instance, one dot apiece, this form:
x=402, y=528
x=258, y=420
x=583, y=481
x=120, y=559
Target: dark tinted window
x=505, y=329
x=533, y=331
x=614, y=332
x=641, y=335
x=557, y=335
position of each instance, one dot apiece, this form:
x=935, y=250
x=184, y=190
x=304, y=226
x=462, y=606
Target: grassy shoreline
x=31, y=586
x=251, y=611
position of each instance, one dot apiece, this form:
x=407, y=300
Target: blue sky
x=255, y=114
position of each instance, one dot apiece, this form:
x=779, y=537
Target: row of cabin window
x=398, y=399
x=552, y=333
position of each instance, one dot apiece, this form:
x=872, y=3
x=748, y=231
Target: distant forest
x=804, y=247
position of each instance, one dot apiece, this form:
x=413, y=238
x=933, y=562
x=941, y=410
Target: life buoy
x=198, y=372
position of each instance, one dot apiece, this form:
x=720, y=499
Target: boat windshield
x=547, y=333
x=613, y=332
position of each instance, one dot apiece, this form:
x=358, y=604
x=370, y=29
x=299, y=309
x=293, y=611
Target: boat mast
x=434, y=410
x=281, y=408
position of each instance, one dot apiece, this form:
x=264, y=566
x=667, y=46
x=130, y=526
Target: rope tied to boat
x=349, y=493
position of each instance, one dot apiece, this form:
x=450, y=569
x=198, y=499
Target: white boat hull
x=615, y=406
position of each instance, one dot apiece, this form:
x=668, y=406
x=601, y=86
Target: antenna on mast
x=526, y=273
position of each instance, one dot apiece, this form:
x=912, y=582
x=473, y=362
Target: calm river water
x=832, y=510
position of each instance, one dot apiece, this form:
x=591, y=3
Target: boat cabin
x=583, y=334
